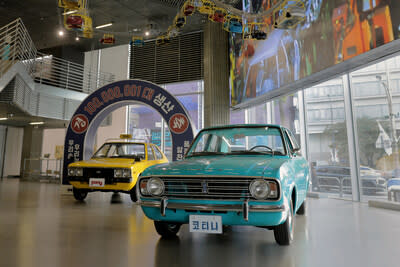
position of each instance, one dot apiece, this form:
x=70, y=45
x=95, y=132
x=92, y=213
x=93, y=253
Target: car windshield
x=121, y=150
x=238, y=140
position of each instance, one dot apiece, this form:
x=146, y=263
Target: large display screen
x=332, y=31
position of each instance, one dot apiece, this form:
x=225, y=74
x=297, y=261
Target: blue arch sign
x=80, y=137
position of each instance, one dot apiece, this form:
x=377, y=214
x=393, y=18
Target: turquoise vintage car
x=231, y=175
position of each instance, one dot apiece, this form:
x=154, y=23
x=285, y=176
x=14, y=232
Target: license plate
x=96, y=182
x=205, y=224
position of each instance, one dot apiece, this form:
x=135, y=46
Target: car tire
x=283, y=233
x=302, y=209
x=167, y=229
x=133, y=195
x=79, y=194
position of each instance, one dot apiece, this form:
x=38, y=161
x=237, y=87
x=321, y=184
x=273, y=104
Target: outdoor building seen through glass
x=239, y=140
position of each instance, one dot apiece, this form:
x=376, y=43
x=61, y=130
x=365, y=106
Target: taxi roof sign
x=125, y=136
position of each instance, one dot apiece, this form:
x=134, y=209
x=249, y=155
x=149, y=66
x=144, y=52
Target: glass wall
x=376, y=101
x=238, y=116
x=328, y=152
x=349, y=127
x=145, y=124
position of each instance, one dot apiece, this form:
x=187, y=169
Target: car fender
x=286, y=176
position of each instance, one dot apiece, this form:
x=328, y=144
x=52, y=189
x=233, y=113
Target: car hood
x=253, y=165
x=105, y=163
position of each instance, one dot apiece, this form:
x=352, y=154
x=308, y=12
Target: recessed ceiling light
x=36, y=123
x=103, y=26
x=61, y=33
x=3, y=119
x=147, y=33
x=76, y=38
x=70, y=12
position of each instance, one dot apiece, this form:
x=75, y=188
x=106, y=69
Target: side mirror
x=295, y=151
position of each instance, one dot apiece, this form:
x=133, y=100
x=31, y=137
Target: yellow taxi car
x=115, y=167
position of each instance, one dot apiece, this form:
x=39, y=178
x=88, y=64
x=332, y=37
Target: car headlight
x=117, y=173
x=259, y=189
x=79, y=172
x=71, y=172
x=122, y=173
x=155, y=186
x=75, y=171
x=126, y=173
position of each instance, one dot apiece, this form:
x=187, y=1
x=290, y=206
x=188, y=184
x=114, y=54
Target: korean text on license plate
x=97, y=182
x=205, y=224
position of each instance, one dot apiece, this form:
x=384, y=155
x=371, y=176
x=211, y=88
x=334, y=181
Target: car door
x=300, y=166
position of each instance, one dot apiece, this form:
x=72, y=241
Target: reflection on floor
x=38, y=227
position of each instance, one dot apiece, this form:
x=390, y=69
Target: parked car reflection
x=331, y=178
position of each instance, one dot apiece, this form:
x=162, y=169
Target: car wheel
x=284, y=232
x=79, y=194
x=133, y=195
x=302, y=209
x=167, y=229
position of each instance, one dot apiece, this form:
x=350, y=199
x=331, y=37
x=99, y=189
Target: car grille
x=106, y=173
x=207, y=188
x=98, y=172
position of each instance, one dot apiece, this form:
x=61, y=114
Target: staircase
x=39, y=84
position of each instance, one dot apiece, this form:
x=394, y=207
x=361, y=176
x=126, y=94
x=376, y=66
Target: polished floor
x=39, y=227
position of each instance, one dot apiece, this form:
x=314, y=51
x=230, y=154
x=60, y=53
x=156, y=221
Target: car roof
x=243, y=125
x=126, y=142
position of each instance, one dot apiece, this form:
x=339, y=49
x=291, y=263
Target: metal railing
x=69, y=75
x=17, y=45
x=342, y=185
x=42, y=169
x=40, y=104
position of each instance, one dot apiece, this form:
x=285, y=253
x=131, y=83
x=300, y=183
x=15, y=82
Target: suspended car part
x=259, y=31
x=162, y=40
x=172, y=32
x=246, y=34
x=188, y=8
x=207, y=7
x=87, y=32
x=73, y=22
x=255, y=30
x=108, y=38
x=180, y=21
x=137, y=41
x=232, y=24
x=289, y=14
x=79, y=22
x=218, y=15
x=72, y=4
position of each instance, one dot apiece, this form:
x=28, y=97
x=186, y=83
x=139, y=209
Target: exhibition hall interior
x=199, y=133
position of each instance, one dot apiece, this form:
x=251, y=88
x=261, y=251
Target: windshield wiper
x=205, y=153
x=254, y=152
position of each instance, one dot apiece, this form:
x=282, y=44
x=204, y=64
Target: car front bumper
x=232, y=212
x=114, y=186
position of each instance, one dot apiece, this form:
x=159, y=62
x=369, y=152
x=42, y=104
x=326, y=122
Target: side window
x=294, y=141
x=150, y=155
x=113, y=151
x=288, y=141
x=158, y=152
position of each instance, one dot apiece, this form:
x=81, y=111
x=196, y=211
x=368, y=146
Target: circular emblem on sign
x=79, y=123
x=178, y=123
